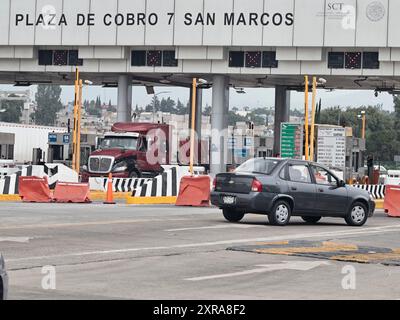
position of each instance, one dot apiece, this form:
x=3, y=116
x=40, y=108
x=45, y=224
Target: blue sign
x=52, y=137
x=66, y=138
x=242, y=153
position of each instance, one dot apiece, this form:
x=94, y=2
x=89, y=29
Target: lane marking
x=285, y=265
x=15, y=239
x=217, y=243
x=218, y=226
x=89, y=223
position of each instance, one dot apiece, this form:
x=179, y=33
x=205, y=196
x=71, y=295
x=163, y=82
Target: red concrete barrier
x=392, y=201
x=194, y=191
x=68, y=192
x=34, y=189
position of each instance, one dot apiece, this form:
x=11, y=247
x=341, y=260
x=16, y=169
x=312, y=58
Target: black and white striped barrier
x=53, y=172
x=377, y=190
x=119, y=184
x=166, y=184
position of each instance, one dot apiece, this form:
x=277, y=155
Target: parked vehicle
x=124, y=151
x=3, y=279
x=281, y=188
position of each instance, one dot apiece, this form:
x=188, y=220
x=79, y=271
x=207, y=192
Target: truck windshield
x=263, y=166
x=129, y=143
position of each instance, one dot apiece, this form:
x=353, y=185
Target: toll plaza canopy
x=258, y=43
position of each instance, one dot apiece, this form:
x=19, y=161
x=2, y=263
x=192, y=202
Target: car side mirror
x=341, y=184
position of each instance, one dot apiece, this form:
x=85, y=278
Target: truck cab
x=126, y=152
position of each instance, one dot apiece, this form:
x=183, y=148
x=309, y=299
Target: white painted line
x=344, y=232
x=286, y=265
x=219, y=226
x=89, y=223
x=15, y=239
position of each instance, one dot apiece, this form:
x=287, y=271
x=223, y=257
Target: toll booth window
x=45, y=57
x=269, y=59
x=236, y=59
x=60, y=58
x=253, y=59
x=169, y=59
x=73, y=58
x=154, y=58
x=138, y=58
x=371, y=60
x=352, y=60
x=336, y=60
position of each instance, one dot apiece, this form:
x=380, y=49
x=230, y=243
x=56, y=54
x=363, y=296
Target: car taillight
x=256, y=186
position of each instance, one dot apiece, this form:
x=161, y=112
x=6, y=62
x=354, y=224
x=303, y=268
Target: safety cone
x=109, y=196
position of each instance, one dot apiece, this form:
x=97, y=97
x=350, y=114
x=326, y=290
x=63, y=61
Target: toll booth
x=59, y=147
x=7, y=142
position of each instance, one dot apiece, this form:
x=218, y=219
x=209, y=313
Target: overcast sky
x=252, y=98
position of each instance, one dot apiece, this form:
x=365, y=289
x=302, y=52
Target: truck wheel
x=232, y=215
x=311, y=219
x=280, y=214
x=357, y=215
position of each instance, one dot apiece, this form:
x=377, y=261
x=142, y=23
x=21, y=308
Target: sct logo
x=335, y=6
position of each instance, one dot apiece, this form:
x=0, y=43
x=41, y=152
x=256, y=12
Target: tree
x=154, y=105
x=11, y=111
x=181, y=108
x=167, y=105
x=48, y=100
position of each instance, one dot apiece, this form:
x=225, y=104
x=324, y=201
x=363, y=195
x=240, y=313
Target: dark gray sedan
x=3, y=279
x=281, y=188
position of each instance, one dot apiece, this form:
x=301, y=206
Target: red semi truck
x=131, y=150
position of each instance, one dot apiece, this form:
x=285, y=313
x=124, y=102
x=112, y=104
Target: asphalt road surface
x=165, y=252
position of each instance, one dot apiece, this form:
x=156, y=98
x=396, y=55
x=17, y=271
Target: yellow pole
x=74, y=138
x=78, y=134
x=306, y=116
x=363, y=125
x=314, y=94
x=192, y=129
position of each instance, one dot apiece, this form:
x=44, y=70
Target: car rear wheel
x=232, y=215
x=357, y=215
x=311, y=219
x=280, y=215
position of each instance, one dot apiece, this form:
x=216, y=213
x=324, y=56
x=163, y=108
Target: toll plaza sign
x=331, y=146
x=52, y=19
x=292, y=140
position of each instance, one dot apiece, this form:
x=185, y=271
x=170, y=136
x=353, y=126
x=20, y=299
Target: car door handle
x=294, y=188
x=320, y=190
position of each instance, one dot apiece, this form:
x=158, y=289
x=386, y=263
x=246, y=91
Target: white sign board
x=331, y=148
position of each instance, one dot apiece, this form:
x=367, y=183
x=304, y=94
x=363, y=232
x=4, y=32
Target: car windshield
x=264, y=166
x=129, y=143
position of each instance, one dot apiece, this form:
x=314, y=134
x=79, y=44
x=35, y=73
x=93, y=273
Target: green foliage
x=48, y=104
x=11, y=111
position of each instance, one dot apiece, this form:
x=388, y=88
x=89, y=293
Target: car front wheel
x=310, y=219
x=357, y=215
x=280, y=214
x=232, y=215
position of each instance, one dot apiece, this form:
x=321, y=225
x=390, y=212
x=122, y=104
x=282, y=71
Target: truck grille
x=100, y=164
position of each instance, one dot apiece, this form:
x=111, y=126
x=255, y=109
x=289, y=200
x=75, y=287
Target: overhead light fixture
x=110, y=85
x=22, y=84
x=240, y=90
x=165, y=80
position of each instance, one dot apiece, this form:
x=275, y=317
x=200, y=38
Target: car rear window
x=264, y=166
